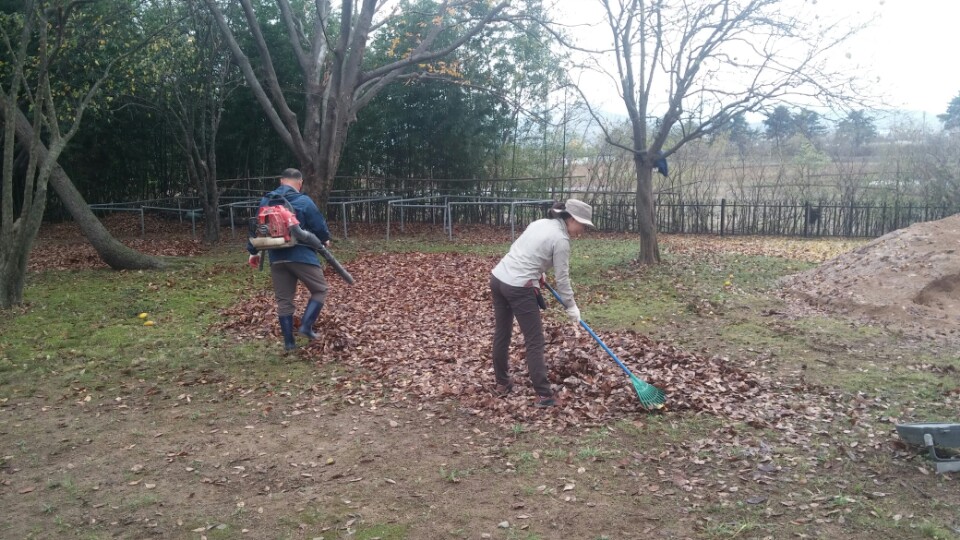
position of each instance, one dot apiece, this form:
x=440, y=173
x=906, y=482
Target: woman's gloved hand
x=574, y=313
x=254, y=261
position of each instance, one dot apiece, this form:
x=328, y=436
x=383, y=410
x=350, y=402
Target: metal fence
x=518, y=201
x=794, y=218
x=769, y=218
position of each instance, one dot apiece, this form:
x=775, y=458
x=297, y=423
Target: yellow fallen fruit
x=142, y=315
x=148, y=323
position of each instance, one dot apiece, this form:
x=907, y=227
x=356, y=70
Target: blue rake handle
x=593, y=334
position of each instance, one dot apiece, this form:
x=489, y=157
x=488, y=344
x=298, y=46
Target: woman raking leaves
x=515, y=287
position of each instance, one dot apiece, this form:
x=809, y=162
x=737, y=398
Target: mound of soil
x=908, y=280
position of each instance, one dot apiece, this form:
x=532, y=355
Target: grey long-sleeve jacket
x=543, y=245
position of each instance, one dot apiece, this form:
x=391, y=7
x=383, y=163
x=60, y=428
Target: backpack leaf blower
x=276, y=227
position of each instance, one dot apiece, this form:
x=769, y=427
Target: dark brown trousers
x=519, y=302
x=285, y=276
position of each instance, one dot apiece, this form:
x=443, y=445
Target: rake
x=650, y=396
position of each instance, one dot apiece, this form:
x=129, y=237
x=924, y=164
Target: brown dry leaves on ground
x=416, y=329
x=61, y=246
x=797, y=249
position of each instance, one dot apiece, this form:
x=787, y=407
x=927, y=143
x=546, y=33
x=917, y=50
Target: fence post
x=819, y=219
x=723, y=214
x=853, y=221
x=806, y=219
x=682, y=228
x=389, y=208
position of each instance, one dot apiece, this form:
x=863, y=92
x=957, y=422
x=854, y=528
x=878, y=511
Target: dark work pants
x=519, y=302
x=285, y=276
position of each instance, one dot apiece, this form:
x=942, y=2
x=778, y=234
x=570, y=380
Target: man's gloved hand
x=574, y=313
x=254, y=261
x=543, y=281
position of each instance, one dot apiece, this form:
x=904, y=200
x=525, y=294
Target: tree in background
x=851, y=157
x=696, y=65
x=809, y=124
x=741, y=134
x=856, y=130
x=780, y=126
x=951, y=118
x=337, y=75
x=199, y=77
x=46, y=43
x=446, y=122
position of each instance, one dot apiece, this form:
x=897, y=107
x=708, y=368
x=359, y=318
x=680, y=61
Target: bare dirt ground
x=908, y=280
x=290, y=466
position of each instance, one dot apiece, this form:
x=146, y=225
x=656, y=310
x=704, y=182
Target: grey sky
x=908, y=53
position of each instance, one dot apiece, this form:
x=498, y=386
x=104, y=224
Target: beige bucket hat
x=580, y=211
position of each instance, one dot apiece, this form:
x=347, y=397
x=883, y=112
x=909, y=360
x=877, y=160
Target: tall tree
x=951, y=118
x=694, y=65
x=741, y=134
x=809, y=124
x=779, y=125
x=200, y=75
x=857, y=129
x=337, y=75
x=44, y=43
x=447, y=122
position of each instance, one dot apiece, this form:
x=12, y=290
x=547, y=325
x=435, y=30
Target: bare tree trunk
x=203, y=176
x=211, y=210
x=111, y=251
x=646, y=218
x=13, y=265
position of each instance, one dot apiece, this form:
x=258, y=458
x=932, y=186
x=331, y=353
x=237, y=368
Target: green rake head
x=650, y=396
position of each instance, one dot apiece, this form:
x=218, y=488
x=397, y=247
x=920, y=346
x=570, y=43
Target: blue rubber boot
x=286, y=328
x=310, y=315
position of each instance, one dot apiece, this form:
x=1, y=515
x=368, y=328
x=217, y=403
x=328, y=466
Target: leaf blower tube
x=309, y=239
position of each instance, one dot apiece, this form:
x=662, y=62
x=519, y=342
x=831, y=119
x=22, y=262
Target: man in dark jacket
x=297, y=263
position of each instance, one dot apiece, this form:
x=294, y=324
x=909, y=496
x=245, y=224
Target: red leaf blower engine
x=276, y=227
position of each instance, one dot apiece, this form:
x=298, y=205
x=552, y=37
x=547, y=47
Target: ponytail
x=558, y=210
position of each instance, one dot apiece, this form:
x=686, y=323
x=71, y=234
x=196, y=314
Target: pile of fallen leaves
x=797, y=249
x=417, y=328
x=62, y=246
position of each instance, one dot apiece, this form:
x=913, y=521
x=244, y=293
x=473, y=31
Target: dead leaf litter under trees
x=417, y=328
